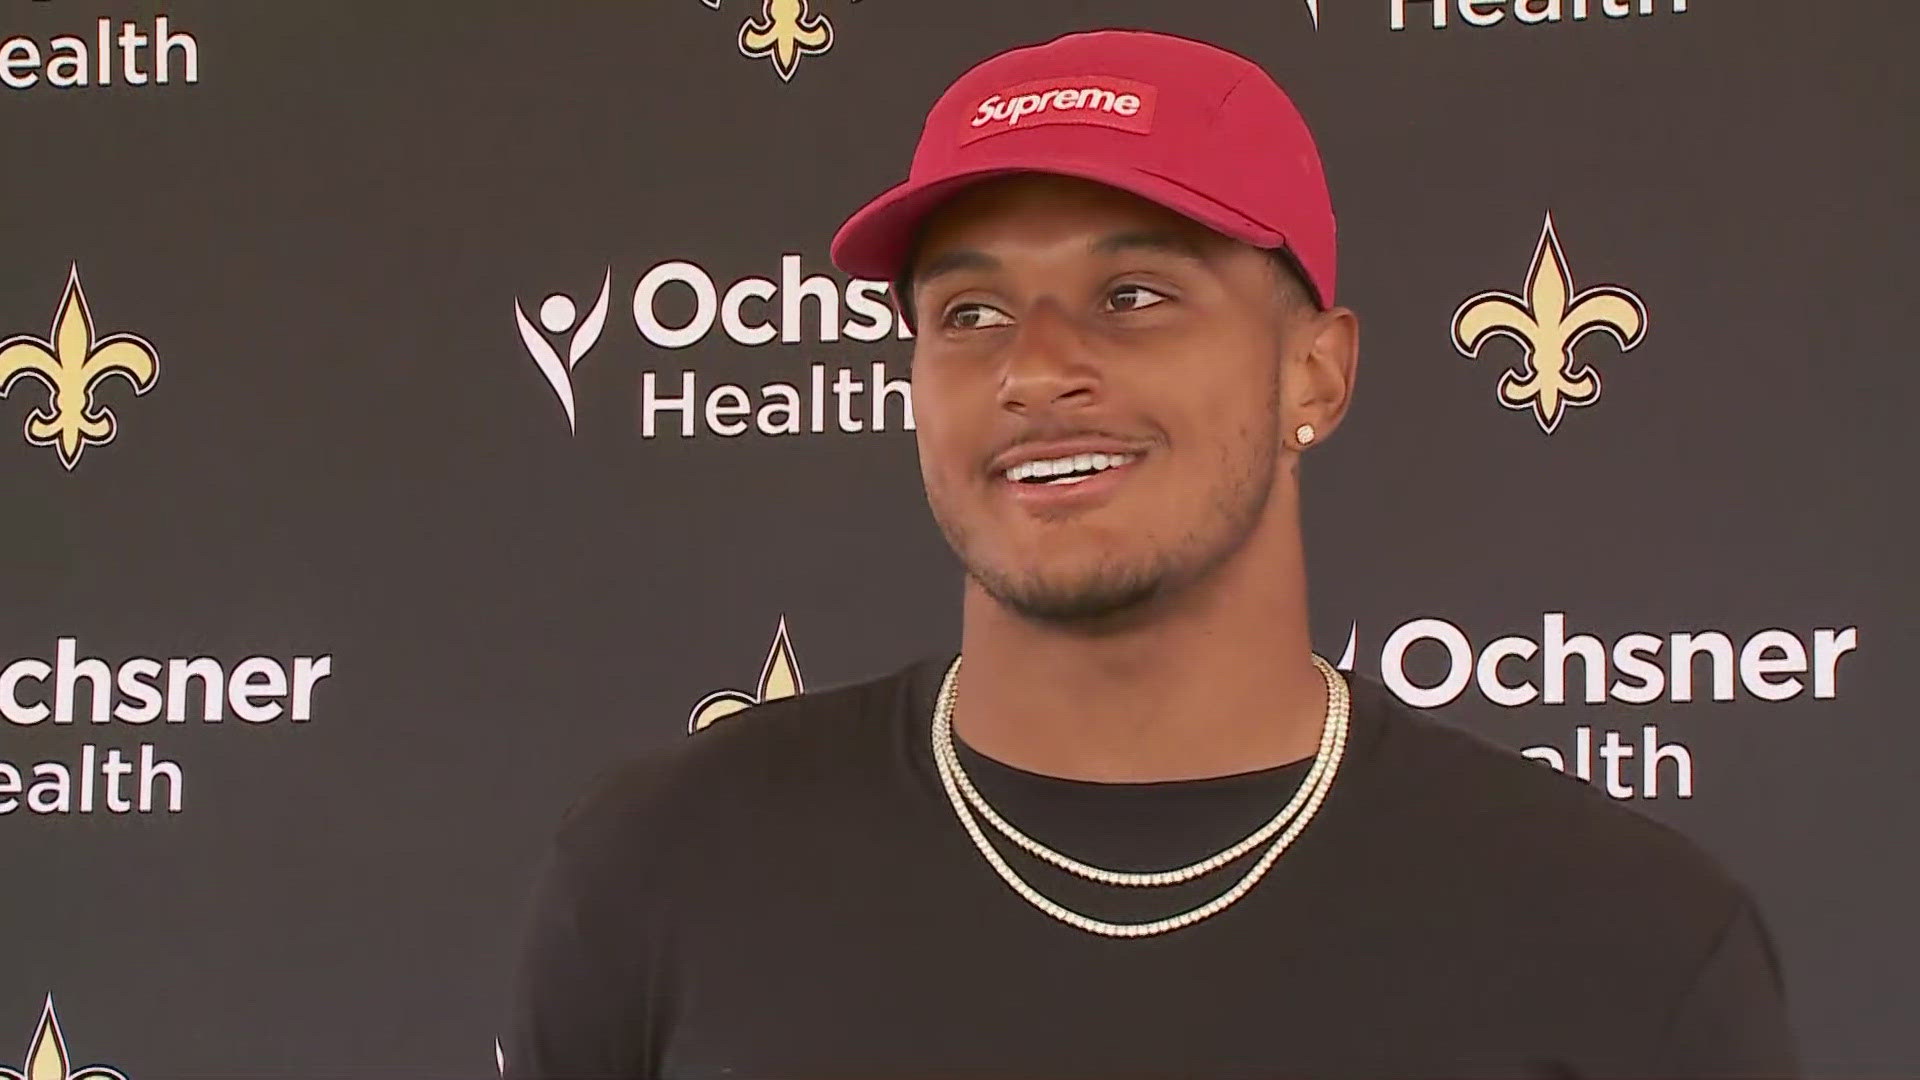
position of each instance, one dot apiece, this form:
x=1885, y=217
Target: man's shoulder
x=1481, y=808
x=789, y=745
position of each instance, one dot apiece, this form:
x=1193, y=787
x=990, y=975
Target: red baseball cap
x=1200, y=130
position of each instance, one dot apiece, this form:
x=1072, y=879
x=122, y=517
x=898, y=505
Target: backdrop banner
x=412, y=408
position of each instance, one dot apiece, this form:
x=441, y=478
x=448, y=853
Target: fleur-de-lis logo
x=1547, y=324
x=784, y=33
x=47, y=1056
x=71, y=363
x=779, y=678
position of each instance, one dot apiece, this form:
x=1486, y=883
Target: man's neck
x=1223, y=683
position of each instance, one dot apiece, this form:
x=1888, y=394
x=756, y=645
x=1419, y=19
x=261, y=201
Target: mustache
x=1047, y=431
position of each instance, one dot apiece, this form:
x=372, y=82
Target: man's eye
x=975, y=317
x=1143, y=297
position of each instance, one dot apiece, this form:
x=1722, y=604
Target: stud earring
x=1303, y=434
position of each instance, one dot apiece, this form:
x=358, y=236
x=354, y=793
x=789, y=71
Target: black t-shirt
x=789, y=894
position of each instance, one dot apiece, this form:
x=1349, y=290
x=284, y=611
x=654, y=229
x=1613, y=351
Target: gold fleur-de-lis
x=779, y=678
x=47, y=1055
x=1547, y=324
x=71, y=364
x=785, y=32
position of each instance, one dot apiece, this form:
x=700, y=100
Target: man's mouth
x=1066, y=470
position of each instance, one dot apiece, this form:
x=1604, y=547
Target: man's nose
x=1047, y=363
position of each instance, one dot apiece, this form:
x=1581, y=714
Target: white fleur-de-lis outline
x=780, y=41
x=47, y=1055
x=779, y=678
x=71, y=362
x=1547, y=321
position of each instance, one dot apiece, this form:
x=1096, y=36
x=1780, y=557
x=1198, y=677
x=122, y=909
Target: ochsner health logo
x=79, y=709
x=559, y=315
x=766, y=332
x=106, y=54
x=1597, y=678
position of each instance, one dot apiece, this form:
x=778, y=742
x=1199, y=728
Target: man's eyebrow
x=1170, y=243
x=948, y=262
x=1176, y=244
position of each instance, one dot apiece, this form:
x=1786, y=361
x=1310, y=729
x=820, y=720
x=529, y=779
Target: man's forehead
x=1079, y=216
x=1004, y=199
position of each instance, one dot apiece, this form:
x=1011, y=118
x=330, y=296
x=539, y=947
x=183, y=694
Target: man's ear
x=1326, y=371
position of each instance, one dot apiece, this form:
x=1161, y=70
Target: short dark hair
x=1292, y=277
x=1295, y=275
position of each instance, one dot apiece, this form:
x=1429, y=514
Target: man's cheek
x=943, y=463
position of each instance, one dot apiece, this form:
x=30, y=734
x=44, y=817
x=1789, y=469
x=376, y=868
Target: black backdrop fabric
x=484, y=408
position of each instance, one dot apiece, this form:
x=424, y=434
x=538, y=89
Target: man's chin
x=1088, y=602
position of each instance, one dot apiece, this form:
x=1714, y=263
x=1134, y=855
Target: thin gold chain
x=1292, y=819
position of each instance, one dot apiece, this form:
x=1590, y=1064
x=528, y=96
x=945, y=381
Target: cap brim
x=873, y=242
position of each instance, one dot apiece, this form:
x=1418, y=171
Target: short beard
x=1109, y=594
x=1114, y=595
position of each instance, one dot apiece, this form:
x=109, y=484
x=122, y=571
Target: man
x=1137, y=828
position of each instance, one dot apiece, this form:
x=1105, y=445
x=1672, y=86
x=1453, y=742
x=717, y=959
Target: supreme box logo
x=1103, y=100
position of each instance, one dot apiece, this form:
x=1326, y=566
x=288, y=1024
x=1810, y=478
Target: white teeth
x=1067, y=469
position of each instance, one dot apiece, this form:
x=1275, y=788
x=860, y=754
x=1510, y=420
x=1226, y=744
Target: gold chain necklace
x=1292, y=818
